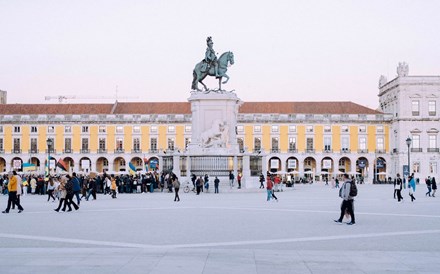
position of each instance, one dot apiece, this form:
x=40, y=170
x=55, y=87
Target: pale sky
x=284, y=50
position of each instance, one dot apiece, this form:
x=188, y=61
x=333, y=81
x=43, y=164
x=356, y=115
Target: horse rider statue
x=211, y=57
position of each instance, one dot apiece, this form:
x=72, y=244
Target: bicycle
x=188, y=186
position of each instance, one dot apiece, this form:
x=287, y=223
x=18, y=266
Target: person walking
x=199, y=184
x=206, y=183
x=76, y=187
x=50, y=189
x=62, y=193
x=216, y=183
x=239, y=180
x=262, y=181
x=113, y=186
x=428, y=185
x=411, y=194
x=69, y=195
x=433, y=186
x=398, y=188
x=176, y=185
x=269, y=187
x=12, y=192
x=231, y=179
x=347, y=200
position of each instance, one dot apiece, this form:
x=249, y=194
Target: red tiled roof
x=185, y=108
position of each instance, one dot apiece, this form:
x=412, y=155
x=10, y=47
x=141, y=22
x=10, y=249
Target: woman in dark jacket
x=434, y=186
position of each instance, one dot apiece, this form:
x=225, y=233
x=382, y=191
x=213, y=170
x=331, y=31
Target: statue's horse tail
x=194, y=82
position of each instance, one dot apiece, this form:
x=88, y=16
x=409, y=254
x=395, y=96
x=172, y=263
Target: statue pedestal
x=214, y=120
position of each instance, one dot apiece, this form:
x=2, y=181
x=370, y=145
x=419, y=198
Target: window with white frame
x=380, y=143
x=17, y=145
x=362, y=143
x=85, y=129
x=275, y=145
x=171, y=143
x=327, y=129
x=68, y=144
x=362, y=129
x=187, y=142
x=240, y=143
x=432, y=141
x=292, y=143
x=309, y=129
x=309, y=143
x=379, y=129
x=119, y=143
x=257, y=129
x=1, y=144
x=240, y=129
x=136, y=129
x=67, y=129
x=433, y=167
x=34, y=129
x=153, y=129
x=136, y=144
x=34, y=145
x=416, y=141
x=119, y=129
x=257, y=143
x=102, y=145
x=187, y=128
x=344, y=129
x=1, y=129
x=50, y=129
x=292, y=128
x=275, y=129
x=432, y=108
x=171, y=129
x=102, y=129
x=327, y=143
x=153, y=144
x=415, y=107
x=17, y=129
x=85, y=143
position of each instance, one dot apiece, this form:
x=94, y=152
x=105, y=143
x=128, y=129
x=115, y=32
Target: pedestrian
x=176, y=185
x=12, y=193
x=398, y=188
x=33, y=185
x=231, y=179
x=216, y=183
x=428, y=185
x=239, y=180
x=434, y=186
x=411, y=194
x=199, y=184
x=62, y=194
x=113, y=186
x=347, y=200
x=19, y=189
x=76, y=187
x=206, y=182
x=269, y=186
x=69, y=195
x=50, y=189
x=262, y=181
x=336, y=182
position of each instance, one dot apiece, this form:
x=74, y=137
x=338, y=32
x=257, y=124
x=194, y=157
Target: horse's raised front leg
x=227, y=78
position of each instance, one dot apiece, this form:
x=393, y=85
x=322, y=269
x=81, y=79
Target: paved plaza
x=232, y=232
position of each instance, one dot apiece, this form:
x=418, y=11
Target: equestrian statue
x=212, y=66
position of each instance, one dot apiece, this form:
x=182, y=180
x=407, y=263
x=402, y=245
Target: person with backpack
x=347, y=192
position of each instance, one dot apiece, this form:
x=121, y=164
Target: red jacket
x=269, y=184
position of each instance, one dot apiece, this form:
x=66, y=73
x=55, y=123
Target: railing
x=102, y=150
x=2, y=151
x=275, y=150
x=416, y=149
x=85, y=150
x=153, y=151
x=51, y=150
x=16, y=151
x=433, y=149
x=257, y=150
x=327, y=151
x=345, y=150
x=33, y=151
x=380, y=151
x=136, y=150
x=362, y=150
x=66, y=151
x=310, y=150
x=293, y=150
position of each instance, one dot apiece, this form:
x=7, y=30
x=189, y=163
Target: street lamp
x=408, y=143
x=49, y=143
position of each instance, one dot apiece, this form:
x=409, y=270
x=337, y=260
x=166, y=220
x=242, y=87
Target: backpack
x=353, y=189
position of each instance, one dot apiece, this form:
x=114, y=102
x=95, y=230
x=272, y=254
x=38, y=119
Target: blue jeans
x=269, y=194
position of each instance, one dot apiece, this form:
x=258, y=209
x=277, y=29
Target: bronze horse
x=202, y=70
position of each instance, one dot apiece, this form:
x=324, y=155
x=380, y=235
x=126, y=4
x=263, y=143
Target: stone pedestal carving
x=214, y=120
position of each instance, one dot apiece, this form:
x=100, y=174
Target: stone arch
x=344, y=165
x=85, y=164
x=327, y=167
x=309, y=167
x=152, y=163
x=292, y=165
x=119, y=164
x=362, y=166
x=102, y=164
x=17, y=163
x=137, y=162
x=380, y=169
x=2, y=164
x=274, y=164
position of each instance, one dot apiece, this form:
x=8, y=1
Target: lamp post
x=408, y=143
x=49, y=143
